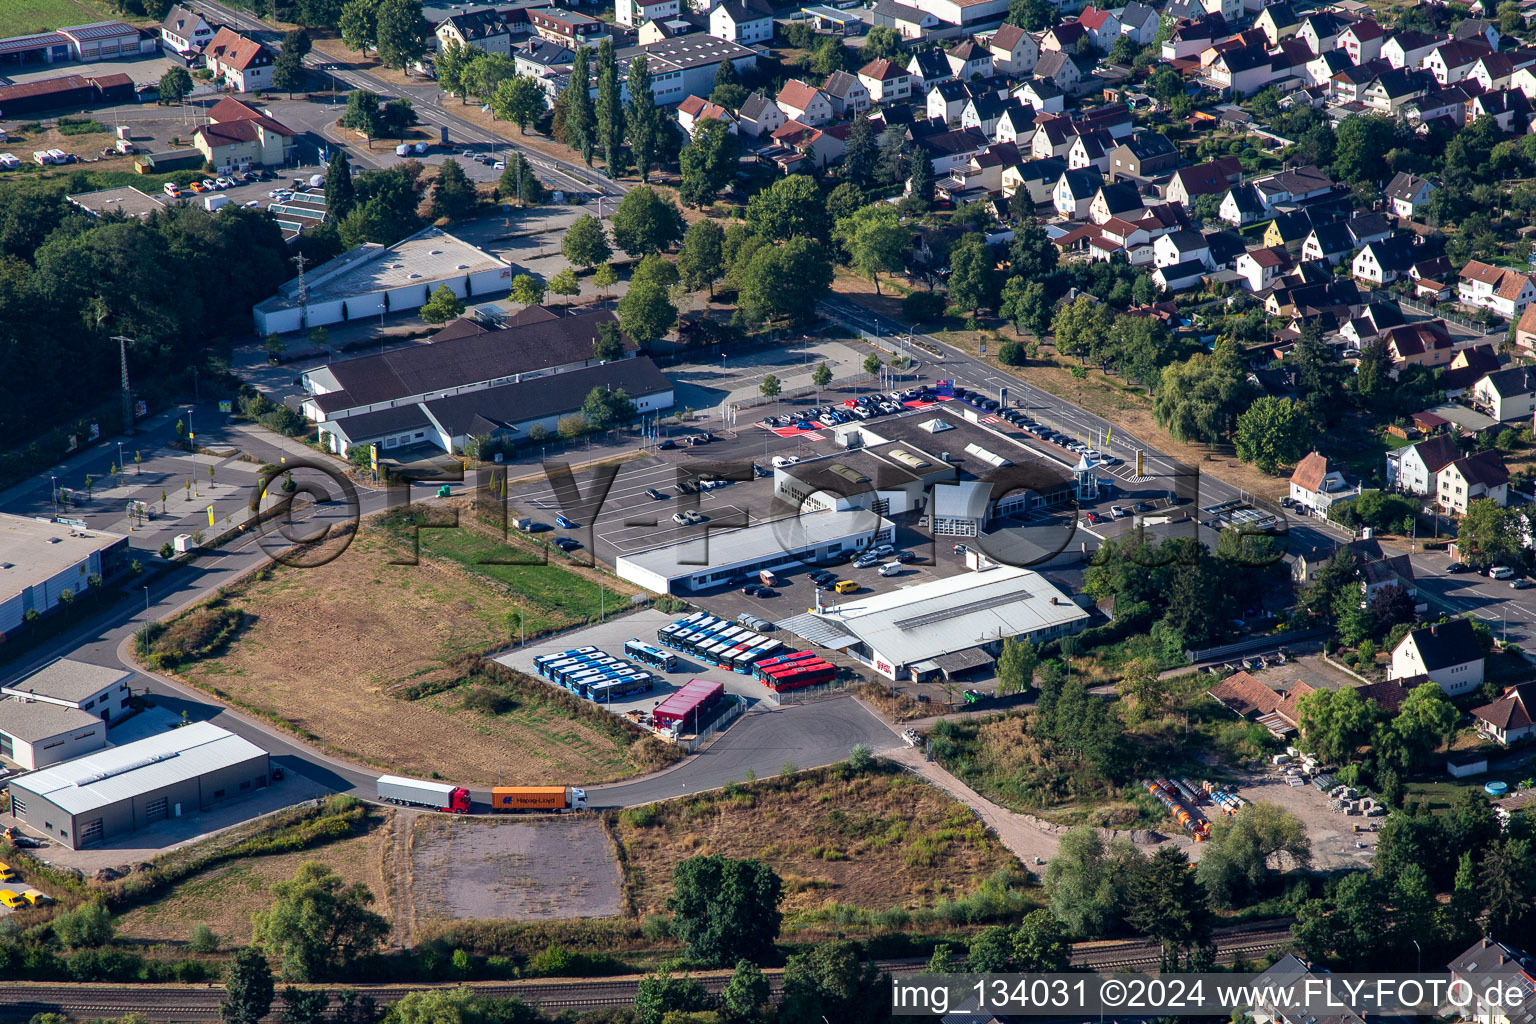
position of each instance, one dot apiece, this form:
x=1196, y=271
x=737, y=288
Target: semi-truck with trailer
x=420, y=793
x=538, y=798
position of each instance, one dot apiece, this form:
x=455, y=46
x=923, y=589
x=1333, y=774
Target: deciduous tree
x=875, y=241
x=443, y=306
x=646, y=222
x=318, y=924
x=708, y=162
x=1272, y=432
x=725, y=910
x=586, y=242
x=518, y=99
x=248, y=988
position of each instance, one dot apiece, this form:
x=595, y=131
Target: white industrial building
x=964, y=12
x=40, y=559
x=114, y=792
x=716, y=557
x=374, y=279
x=34, y=734
x=101, y=690
x=948, y=626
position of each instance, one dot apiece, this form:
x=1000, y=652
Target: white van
x=1501, y=572
x=890, y=569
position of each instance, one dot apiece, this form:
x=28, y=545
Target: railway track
x=177, y=1003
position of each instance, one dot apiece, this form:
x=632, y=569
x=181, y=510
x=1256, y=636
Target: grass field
x=366, y=656
x=23, y=17
x=876, y=849
x=224, y=897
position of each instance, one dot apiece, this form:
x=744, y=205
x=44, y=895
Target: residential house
x=1505, y=292
x=1407, y=193
x=1065, y=37
x=1317, y=485
x=968, y=60
x=1103, y=27
x=1447, y=652
x=1391, y=90
x=1053, y=137
x=1349, y=85
x=1180, y=247
x=1525, y=329
x=1208, y=179
x=984, y=112
x=1014, y=51
x=1508, y=720
x=1476, y=30
x=1140, y=22
x=848, y=94
x=1180, y=276
x=1321, y=69
x=1142, y=156
x=929, y=67
x=1258, y=268
x=1277, y=22
x=1131, y=240
x=1492, y=72
x=1090, y=149
x=885, y=82
x=1383, y=262
x=695, y=109
x=1423, y=343
x=1468, y=366
x=759, y=116
x=1114, y=200
x=1320, y=31
x=1066, y=71
x=1041, y=96
x=1329, y=242
x=634, y=13
x=1016, y=121
x=804, y=103
x=1451, y=62
x=950, y=150
x=1508, y=395
x=1438, y=104
x=1241, y=72
x=238, y=137
x=488, y=30
x=1361, y=40
x=1188, y=39
x=741, y=23
x=184, y=31
x=1038, y=178
x=798, y=148
x=1432, y=279
x=1470, y=478
x=1414, y=469
x=568, y=28
x=543, y=60
x=1374, y=320
x=1508, y=107
x=1408, y=48
x=947, y=101
x=244, y=64
x=1294, y=186
x=1074, y=192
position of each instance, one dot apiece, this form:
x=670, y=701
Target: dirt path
x=397, y=876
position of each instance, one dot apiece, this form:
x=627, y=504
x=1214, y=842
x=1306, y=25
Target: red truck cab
x=458, y=801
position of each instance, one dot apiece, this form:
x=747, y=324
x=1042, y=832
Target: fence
x=735, y=708
x=1256, y=645
x=1378, y=295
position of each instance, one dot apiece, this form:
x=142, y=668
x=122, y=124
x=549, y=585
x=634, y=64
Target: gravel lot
x=528, y=870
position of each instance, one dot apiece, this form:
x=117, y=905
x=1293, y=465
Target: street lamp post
x=54, y=494
x=146, y=599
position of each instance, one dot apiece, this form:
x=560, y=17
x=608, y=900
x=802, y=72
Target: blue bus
x=645, y=654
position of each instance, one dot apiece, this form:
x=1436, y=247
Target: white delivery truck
x=396, y=789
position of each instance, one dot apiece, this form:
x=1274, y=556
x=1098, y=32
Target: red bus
x=762, y=668
x=799, y=675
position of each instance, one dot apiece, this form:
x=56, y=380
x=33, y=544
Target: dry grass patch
x=880, y=841
x=376, y=660
x=224, y=897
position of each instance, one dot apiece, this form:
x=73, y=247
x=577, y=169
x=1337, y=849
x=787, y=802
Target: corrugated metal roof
x=118, y=773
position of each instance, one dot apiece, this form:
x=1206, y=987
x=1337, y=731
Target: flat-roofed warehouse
x=948, y=626
x=35, y=734
x=374, y=279
x=40, y=559
x=719, y=556
x=120, y=790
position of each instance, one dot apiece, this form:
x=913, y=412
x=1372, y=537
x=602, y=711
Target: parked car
x=1118, y=511
x=564, y=523
x=767, y=592
x=1501, y=572
x=566, y=543
x=883, y=550
x=680, y=519
x=654, y=493
x=890, y=568
x=906, y=556
x=1456, y=567
x=667, y=445
x=1521, y=583
x=845, y=586
x=864, y=561
x=751, y=589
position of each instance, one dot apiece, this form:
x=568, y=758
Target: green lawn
x=22, y=17
x=550, y=586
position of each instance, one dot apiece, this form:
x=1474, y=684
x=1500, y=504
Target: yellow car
x=6, y=874
x=11, y=900
x=846, y=586
x=36, y=896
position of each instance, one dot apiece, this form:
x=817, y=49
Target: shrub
x=203, y=940
x=656, y=927
x=488, y=701
x=1011, y=353
x=89, y=924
